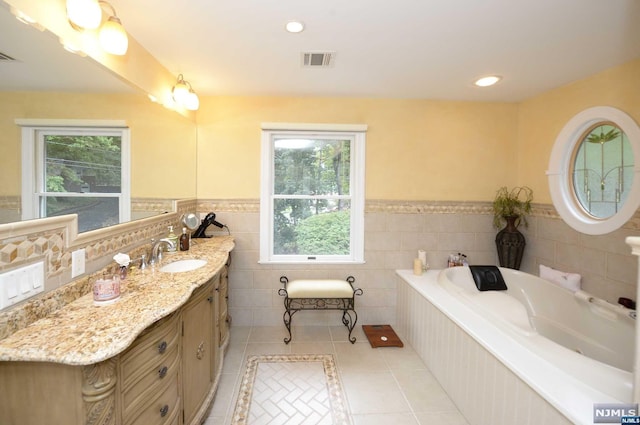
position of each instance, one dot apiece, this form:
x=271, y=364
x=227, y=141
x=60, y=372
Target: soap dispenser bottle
x=184, y=240
x=173, y=238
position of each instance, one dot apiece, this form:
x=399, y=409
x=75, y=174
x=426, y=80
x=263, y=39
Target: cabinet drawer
x=162, y=410
x=151, y=382
x=150, y=350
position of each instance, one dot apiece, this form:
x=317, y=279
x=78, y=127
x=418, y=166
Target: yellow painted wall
x=163, y=143
x=541, y=118
x=416, y=149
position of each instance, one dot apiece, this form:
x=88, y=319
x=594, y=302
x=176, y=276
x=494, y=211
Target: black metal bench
x=320, y=294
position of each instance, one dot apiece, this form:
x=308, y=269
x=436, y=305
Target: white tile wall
x=392, y=238
x=605, y=262
x=391, y=242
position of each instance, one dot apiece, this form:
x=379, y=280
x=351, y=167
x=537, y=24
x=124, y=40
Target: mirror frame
x=559, y=171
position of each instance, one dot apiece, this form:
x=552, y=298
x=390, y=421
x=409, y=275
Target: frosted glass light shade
x=180, y=92
x=84, y=13
x=192, y=102
x=113, y=37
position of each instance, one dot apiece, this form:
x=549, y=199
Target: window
x=594, y=177
x=76, y=170
x=603, y=170
x=312, y=198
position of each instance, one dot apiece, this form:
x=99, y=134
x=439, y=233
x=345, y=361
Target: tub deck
x=490, y=370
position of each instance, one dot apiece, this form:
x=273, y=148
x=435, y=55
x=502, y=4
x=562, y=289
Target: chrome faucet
x=156, y=252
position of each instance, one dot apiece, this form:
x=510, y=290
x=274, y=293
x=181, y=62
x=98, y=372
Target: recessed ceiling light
x=487, y=81
x=294, y=26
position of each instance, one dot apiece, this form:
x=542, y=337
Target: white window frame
x=32, y=161
x=355, y=132
x=560, y=165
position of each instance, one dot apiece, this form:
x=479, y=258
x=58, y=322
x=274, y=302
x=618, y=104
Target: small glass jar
x=106, y=290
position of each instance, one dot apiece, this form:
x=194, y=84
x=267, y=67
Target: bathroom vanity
x=152, y=357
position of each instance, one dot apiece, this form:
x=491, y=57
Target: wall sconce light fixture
x=184, y=95
x=87, y=14
x=112, y=36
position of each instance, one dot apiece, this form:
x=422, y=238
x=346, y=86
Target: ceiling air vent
x=318, y=59
x=4, y=57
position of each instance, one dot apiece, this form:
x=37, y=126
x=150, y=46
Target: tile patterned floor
x=291, y=389
x=382, y=385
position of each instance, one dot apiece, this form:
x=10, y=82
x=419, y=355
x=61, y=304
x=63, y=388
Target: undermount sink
x=183, y=266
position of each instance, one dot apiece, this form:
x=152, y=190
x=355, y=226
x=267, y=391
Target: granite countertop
x=81, y=333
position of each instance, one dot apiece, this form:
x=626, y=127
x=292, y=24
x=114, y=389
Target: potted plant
x=511, y=206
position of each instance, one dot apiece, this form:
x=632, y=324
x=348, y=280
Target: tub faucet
x=156, y=252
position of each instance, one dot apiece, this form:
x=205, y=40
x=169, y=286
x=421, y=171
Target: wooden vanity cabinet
x=148, y=375
x=168, y=376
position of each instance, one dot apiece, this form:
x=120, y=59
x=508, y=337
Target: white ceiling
x=402, y=49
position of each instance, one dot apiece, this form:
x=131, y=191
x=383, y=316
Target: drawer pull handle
x=200, y=351
x=163, y=372
x=162, y=347
x=164, y=410
x=210, y=299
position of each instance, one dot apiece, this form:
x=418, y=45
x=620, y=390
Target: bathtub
x=535, y=353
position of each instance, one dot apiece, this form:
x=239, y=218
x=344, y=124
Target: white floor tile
x=341, y=334
x=310, y=334
x=268, y=334
x=322, y=347
x=225, y=395
x=359, y=357
x=423, y=391
x=382, y=385
x=374, y=392
x=385, y=419
x=402, y=358
x=441, y=418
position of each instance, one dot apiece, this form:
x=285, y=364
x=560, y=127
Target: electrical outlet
x=77, y=262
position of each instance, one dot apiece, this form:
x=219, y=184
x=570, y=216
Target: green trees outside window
x=81, y=174
x=312, y=185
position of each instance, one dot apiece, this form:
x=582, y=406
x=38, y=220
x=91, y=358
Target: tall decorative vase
x=510, y=244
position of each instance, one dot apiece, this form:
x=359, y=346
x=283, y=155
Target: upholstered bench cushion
x=319, y=288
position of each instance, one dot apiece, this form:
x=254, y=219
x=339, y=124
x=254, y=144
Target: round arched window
x=593, y=176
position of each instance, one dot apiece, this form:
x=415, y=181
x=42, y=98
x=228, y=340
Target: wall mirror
x=43, y=81
x=593, y=174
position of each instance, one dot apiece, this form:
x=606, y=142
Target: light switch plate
x=77, y=262
x=21, y=283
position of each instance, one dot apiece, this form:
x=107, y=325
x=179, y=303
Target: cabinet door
x=197, y=349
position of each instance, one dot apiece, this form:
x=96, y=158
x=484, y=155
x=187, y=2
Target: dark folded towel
x=488, y=278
